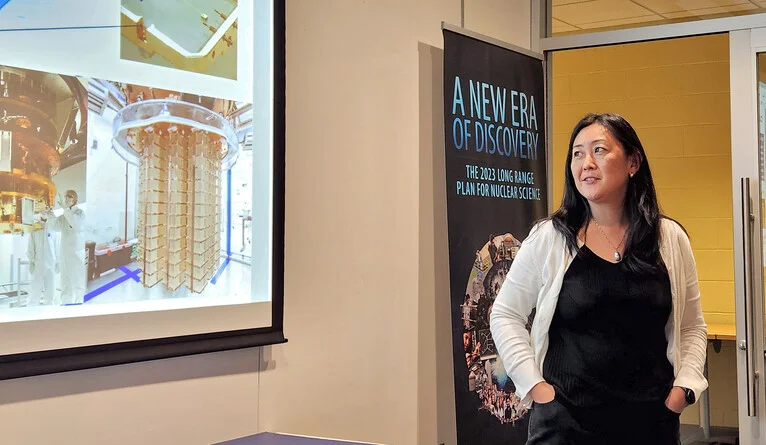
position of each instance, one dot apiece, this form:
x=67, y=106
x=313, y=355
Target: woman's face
x=600, y=167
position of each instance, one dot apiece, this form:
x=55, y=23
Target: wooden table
x=717, y=331
x=286, y=439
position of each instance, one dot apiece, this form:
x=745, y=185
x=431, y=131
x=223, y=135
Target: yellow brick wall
x=676, y=94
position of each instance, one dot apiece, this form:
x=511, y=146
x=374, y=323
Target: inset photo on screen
x=191, y=35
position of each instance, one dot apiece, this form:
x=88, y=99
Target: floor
x=234, y=280
x=718, y=435
x=221, y=66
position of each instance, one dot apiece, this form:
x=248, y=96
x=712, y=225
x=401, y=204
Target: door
x=748, y=115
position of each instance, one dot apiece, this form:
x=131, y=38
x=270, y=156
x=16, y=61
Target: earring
x=631, y=175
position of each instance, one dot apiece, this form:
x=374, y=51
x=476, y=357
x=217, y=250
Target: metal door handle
x=747, y=344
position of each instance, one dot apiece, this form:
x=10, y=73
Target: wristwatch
x=689, y=395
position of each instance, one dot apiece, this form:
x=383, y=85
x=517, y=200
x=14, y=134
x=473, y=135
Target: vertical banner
x=494, y=120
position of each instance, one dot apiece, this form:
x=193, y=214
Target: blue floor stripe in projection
x=3, y=3
x=128, y=274
x=131, y=273
x=220, y=270
x=134, y=275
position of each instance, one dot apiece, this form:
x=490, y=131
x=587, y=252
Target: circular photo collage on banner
x=486, y=373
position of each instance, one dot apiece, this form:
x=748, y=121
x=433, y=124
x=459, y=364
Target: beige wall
x=368, y=356
x=366, y=265
x=191, y=400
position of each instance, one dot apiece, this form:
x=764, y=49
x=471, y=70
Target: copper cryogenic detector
x=181, y=144
x=43, y=121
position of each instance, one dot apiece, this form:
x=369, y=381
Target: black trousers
x=557, y=423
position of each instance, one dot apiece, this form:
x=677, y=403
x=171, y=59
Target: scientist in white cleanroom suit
x=41, y=263
x=71, y=258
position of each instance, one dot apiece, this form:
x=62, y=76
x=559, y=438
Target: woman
x=617, y=347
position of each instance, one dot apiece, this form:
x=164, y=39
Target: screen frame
x=52, y=361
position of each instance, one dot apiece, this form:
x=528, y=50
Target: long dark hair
x=642, y=242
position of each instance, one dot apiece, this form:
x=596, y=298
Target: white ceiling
x=570, y=16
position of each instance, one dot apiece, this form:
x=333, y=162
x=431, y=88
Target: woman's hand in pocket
x=543, y=393
x=676, y=400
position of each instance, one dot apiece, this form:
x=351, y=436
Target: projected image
x=137, y=179
x=43, y=134
x=192, y=35
x=170, y=181
x=141, y=177
x=160, y=210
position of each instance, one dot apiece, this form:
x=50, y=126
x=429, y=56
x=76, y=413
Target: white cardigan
x=535, y=279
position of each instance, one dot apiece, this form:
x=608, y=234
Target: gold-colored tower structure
x=180, y=148
x=43, y=121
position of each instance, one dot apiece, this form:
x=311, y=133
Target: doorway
x=748, y=81
x=676, y=93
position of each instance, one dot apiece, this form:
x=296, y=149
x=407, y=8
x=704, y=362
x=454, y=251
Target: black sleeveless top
x=607, y=340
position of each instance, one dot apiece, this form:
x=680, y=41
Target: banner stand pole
x=491, y=40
